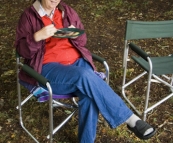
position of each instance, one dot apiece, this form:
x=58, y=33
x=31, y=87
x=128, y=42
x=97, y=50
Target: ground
x=104, y=23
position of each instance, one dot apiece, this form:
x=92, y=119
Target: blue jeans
x=95, y=96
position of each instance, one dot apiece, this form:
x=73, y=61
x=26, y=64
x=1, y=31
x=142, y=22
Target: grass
x=104, y=22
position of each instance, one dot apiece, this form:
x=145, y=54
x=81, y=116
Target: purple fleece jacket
x=33, y=52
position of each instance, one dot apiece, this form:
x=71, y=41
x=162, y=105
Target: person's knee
x=84, y=73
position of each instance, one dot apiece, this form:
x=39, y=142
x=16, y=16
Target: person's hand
x=45, y=33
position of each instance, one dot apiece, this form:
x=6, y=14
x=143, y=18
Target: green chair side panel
x=145, y=29
x=161, y=65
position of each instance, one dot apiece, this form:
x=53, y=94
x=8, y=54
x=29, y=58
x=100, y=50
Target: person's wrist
x=37, y=37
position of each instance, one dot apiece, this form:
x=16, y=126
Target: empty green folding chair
x=42, y=95
x=159, y=69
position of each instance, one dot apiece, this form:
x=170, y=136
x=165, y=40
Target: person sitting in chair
x=68, y=65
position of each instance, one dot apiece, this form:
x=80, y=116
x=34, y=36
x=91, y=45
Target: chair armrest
x=139, y=51
x=103, y=61
x=98, y=58
x=34, y=74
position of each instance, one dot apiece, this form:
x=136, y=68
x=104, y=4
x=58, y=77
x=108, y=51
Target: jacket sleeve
x=25, y=44
x=74, y=19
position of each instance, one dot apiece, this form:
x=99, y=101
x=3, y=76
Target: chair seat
x=41, y=94
x=45, y=97
x=161, y=65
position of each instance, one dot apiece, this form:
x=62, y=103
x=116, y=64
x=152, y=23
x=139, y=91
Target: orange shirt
x=59, y=49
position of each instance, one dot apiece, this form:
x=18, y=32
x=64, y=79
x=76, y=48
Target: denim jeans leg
x=94, y=95
x=88, y=117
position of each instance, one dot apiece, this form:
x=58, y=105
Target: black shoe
x=140, y=128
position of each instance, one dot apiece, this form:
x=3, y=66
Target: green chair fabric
x=151, y=29
x=161, y=65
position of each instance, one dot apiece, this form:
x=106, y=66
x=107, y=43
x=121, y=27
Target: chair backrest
x=148, y=29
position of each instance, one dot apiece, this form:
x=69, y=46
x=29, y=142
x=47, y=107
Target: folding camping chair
x=54, y=100
x=158, y=68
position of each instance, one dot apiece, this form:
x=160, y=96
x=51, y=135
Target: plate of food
x=68, y=33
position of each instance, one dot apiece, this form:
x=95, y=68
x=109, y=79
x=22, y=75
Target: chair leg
x=147, y=97
x=125, y=85
x=51, y=130
x=19, y=107
x=147, y=109
x=62, y=124
x=24, y=101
